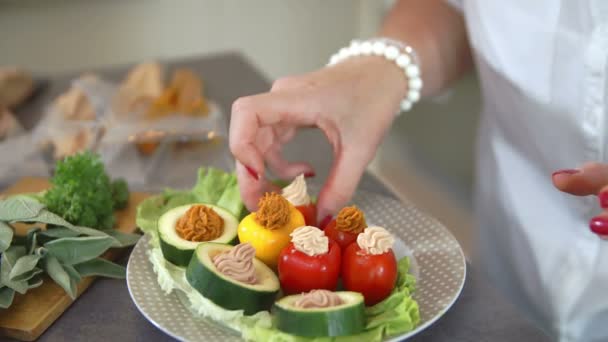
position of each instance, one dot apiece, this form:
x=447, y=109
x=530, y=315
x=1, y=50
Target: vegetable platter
x=207, y=269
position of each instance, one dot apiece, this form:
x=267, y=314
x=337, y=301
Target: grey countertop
x=105, y=312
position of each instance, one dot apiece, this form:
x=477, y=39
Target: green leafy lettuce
x=213, y=186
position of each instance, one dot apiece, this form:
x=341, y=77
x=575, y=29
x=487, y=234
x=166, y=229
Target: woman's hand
x=353, y=103
x=590, y=179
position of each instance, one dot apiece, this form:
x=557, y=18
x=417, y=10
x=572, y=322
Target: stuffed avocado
x=183, y=228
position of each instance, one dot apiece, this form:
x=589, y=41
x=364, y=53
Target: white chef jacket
x=543, y=67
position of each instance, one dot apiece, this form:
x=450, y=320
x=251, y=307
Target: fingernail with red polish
x=603, y=198
x=325, y=222
x=252, y=172
x=566, y=172
x=599, y=225
x=309, y=174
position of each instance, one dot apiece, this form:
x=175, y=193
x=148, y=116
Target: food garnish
x=200, y=223
x=318, y=299
x=310, y=241
x=297, y=194
x=237, y=263
x=273, y=212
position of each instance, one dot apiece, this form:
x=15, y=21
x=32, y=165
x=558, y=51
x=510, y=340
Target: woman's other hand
x=590, y=179
x=353, y=103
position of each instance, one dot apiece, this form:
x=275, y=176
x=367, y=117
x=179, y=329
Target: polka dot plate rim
x=438, y=263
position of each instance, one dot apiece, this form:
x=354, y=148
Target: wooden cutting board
x=31, y=314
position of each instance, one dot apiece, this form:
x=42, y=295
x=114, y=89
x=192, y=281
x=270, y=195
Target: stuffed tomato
x=345, y=228
x=311, y=261
x=297, y=194
x=369, y=265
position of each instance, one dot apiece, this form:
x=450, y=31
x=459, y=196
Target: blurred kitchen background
x=434, y=143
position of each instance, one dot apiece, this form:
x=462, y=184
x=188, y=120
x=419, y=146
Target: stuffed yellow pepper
x=268, y=229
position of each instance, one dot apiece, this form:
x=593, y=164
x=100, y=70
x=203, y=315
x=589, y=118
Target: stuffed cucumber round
x=178, y=250
x=226, y=292
x=347, y=318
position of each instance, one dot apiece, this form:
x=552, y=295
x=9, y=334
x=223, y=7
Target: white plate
x=438, y=264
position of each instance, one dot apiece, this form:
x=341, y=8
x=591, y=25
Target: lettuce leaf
x=213, y=186
x=173, y=278
x=231, y=199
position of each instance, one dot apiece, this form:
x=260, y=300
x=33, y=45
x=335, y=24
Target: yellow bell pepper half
x=269, y=243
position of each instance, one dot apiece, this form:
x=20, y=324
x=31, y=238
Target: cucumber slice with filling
x=179, y=251
x=340, y=320
x=226, y=292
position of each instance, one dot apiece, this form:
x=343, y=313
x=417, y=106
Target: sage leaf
x=45, y=216
x=101, y=267
x=23, y=265
x=9, y=259
x=29, y=275
x=59, y=275
x=72, y=272
x=19, y=208
x=59, y=232
x=35, y=281
x=123, y=239
x=6, y=236
x=6, y=297
x=13, y=253
x=32, y=239
x=79, y=249
x=87, y=231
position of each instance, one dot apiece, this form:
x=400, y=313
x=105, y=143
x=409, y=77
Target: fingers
x=287, y=170
x=590, y=179
x=587, y=180
x=252, y=189
x=251, y=114
x=599, y=225
x=343, y=179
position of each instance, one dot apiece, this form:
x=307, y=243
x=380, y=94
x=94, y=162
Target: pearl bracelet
x=403, y=55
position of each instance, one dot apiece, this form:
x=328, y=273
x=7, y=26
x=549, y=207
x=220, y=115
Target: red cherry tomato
x=344, y=239
x=300, y=272
x=374, y=276
x=309, y=212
